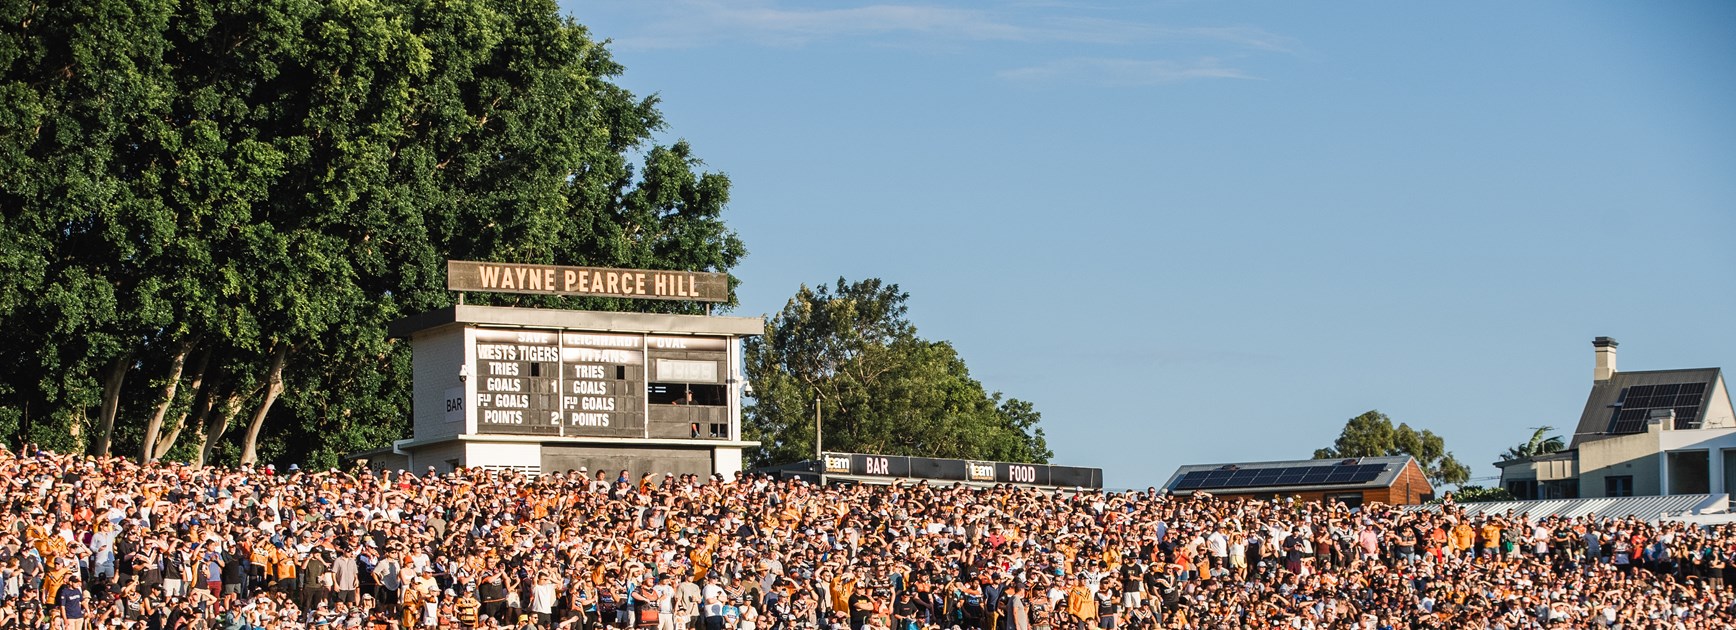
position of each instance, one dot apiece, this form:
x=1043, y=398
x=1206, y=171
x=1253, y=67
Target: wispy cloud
x=1061, y=43
x=1124, y=72
x=703, y=22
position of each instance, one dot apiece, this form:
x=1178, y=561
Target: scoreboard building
x=547, y=390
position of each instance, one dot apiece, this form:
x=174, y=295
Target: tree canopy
x=209, y=209
x=1541, y=443
x=1372, y=434
x=850, y=349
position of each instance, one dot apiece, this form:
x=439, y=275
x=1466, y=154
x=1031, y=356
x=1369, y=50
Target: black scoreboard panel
x=602, y=385
x=551, y=382
x=961, y=470
x=517, y=381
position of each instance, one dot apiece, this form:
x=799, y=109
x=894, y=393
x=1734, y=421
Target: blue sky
x=1198, y=231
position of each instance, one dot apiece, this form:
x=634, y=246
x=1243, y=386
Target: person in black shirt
x=861, y=606
x=492, y=592
x=69, y=603
x=904, y=612
x=992, y=591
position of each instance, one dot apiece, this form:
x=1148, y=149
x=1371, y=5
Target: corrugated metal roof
x=1650, y=509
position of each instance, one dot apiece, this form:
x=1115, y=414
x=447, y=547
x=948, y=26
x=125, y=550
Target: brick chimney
x=1605, y=348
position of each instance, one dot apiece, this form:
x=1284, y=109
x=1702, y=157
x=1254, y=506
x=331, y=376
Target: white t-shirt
x=542, y=598
x=665, y=599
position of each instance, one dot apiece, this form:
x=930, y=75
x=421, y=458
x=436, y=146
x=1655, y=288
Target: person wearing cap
x=712, y=612
x=69, y=603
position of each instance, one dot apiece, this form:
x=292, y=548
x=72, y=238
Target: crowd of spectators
x=90, y=542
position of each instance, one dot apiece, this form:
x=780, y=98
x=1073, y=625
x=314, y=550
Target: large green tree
x=850, y=350
x=211, y=208
x=1372, y=434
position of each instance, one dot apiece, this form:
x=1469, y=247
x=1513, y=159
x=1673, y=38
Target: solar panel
x=1634, y=406
x=1367, y=472
x=1324, y=475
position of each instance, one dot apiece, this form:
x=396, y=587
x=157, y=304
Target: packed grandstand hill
x=105, y=542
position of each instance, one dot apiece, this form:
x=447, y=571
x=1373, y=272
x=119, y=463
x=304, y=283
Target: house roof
x=1283, y=477
x=1623, y=404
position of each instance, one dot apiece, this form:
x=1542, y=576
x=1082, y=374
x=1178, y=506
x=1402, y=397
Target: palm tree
x=1537, y=445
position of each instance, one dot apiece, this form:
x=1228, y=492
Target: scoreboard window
x=698, y=394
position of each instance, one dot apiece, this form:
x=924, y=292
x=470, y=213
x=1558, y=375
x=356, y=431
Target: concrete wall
x=728, y=462
x=439, y=456
x=525, y=456
x=637, y=460
x=434, y=366
x=1557, y=469
x=1635, y=455
x=736, y=384
x=1718, y=411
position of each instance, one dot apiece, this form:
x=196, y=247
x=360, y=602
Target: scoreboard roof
x=602, y=321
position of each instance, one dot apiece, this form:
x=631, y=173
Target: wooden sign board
x=693, y=286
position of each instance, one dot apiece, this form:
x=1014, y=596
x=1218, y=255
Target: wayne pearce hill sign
x=695, y=286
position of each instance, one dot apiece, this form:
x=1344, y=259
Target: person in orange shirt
x=283, y=568
x=1435, y=542
x=1464, y=539
x=1081, y=605
x=1491, y=538
x=843, y=586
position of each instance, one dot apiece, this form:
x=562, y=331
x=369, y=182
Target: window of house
x=686, y=394
x=1350, y=500
x=1618, y=486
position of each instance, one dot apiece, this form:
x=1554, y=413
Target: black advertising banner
x=935, y=469
x=1075, y=476
x=1034, y=474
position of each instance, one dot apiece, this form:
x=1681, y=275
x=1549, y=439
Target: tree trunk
x=219, y=422
x=273, y=387
x=154, y=428
x=201, y=403
x=111, y=402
